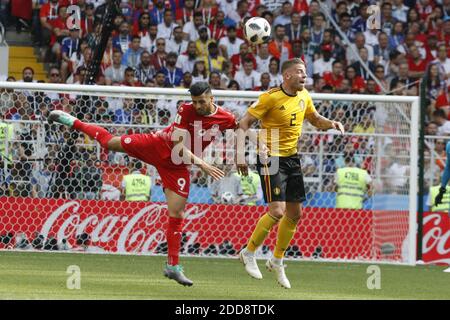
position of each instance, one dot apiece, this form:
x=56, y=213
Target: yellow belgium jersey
x=281, y=118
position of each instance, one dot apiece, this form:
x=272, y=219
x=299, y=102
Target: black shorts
x=285, y=183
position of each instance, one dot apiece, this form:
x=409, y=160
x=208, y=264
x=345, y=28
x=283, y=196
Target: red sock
x=174, y=233
x=95, y=132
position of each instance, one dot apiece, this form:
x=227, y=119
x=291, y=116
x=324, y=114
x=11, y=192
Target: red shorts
x=153, y=149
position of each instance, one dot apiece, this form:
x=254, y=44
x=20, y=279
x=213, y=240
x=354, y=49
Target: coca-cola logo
x=131, y=232
x=436, y=237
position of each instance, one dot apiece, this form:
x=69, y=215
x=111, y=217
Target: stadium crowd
x=176, y=43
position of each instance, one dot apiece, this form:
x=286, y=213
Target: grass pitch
x=26, y=275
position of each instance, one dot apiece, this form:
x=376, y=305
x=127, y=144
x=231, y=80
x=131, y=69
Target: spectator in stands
x=218, y=28
x=123, y=115
x=160, y=79
x=165, y=28
x=132, y=56
x=431, y=129
x=123, y=39
x=27, y=75
x=263, y=58
x=142, y=26
x=186, y=61
x=213, y=61
x=177, y=44
x=361, y=69
x=417, y=65
x=185, y=14
x=443, y=62
x=360, y=22
x=157, y=13
x=116, y=72
x=336, y=76
x=325, y=62
x=274, y=70
x=265, y=82
x=199, y=73
x=439, y=149
x=345, y=23
x=279, y=47
x=400, y=11
x=381, y=49
x=360, y=42
x=248, y=78
x=130, y=78
x=49, y=12
x=435, y=82
x=285, y=15
x=371, y=87
x=148, y=41
x=42, y=178
x=402, y=77
x=214, y=81
x=144, y=71
x=230, y=44
x=187, y=80
x=440, y=118
x=89, y=175
x=59, y=31
x=294, y=28
x=387, y=19
x=191, y=28
x=70, y=45
x=173, y=74
x=87, y=19
x=397, y=36
x=307, y=19
x=158, y=59
x=203, y=41
x=237, y=59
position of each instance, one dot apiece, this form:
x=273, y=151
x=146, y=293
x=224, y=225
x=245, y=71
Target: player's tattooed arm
x=323, y=123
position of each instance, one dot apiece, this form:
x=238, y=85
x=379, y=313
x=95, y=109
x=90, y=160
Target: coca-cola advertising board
x=436, y=238
x=139, y=227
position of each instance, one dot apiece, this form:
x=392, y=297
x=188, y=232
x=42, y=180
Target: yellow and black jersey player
x=281, y=112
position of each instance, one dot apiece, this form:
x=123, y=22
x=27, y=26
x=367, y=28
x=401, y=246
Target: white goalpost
x=59, y=188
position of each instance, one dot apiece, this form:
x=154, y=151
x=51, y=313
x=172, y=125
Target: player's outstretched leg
x=95, y=132
x=173, y=269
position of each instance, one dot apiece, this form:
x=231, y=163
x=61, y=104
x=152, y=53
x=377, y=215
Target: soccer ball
x=257, y=30
x=227, y=197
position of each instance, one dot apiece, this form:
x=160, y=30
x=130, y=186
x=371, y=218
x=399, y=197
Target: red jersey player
x=170, y=150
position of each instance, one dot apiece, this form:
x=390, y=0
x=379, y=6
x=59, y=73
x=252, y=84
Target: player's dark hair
x=199, y=88
x=289, y=63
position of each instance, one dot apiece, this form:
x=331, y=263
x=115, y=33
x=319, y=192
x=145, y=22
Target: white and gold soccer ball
x=257, y=30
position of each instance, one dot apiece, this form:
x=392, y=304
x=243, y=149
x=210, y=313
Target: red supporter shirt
x=329, y=79
x=358, y=84
x=419, y=67
x=236, y=62
x=202, y=129
x=56, y=23
x=184, y=15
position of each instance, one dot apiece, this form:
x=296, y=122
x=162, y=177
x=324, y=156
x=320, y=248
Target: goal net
x=60, y=191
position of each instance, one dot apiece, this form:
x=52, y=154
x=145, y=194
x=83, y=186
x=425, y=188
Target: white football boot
x=279, y=273
x=250, y=264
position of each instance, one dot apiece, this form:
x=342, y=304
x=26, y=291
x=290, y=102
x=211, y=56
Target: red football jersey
x=202, y=129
